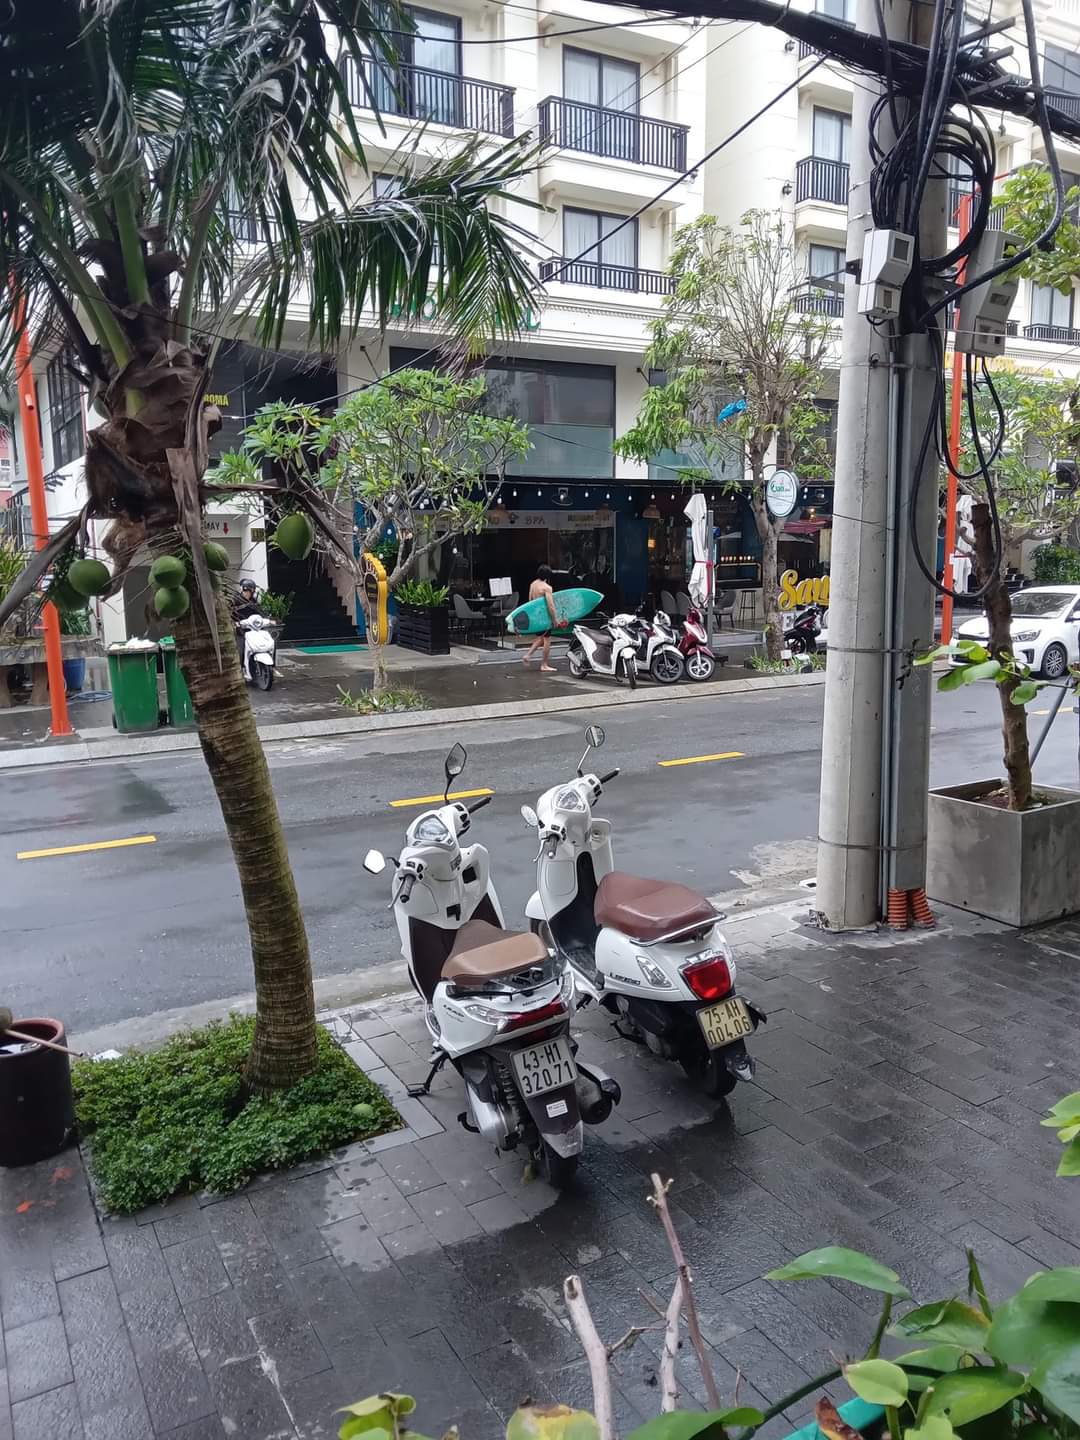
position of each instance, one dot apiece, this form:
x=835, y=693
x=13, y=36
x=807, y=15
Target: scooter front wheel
x=558, y=1170
x=700, y=666
x=630, y=669
x=264, y=675
x=667, y=666
x=706, y=1069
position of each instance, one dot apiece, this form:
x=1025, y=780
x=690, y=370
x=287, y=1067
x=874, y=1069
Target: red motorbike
x=693, y=645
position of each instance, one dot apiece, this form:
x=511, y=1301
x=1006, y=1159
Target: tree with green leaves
x=731, y=327
x=417, y=453
x=1036, y=425
x=142, y=142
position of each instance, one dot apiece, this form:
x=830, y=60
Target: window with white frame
x=1051, y=307
x=65, y=410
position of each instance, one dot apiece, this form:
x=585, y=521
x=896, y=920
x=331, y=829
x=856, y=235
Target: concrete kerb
x=124, y=746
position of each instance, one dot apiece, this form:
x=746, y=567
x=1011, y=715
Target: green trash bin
x=133, y=677
x=176, y=692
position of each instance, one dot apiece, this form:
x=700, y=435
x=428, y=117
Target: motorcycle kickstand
x=416, y=1091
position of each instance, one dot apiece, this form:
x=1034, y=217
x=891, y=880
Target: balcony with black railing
x=816, y=300
x=606, y=277
x=826, y=181
x=948, y=320
x=1054, y=334
x=1065, y=101
x=438, y=96
x=612, y=134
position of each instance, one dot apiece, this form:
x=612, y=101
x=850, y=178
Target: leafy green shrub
x=276, y=607
x=180, y=1118
x=386, y=551
x=1056, y=565
x=764, y=666
x=388, y=701
x=421, y=593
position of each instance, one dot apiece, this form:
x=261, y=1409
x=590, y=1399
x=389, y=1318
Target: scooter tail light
x=552, y=1010
x=709, y=979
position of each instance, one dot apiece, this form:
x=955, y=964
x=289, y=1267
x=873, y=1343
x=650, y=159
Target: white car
x=1045, y=629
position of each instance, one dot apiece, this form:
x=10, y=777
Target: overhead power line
x=978, y=78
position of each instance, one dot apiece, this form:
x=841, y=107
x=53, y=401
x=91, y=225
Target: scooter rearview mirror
x=529, y=815
x=595, y=736
x=454, y=765
x=374, y=862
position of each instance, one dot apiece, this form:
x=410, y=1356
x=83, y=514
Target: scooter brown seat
x=647, y=910
x=483, y=952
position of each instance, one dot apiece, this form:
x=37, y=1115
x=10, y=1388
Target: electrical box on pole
x=984, y=310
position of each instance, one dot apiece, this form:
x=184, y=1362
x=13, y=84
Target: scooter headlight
x=432, y=831
x=570, y=799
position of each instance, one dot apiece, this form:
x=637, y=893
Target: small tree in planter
x=732, y=327
x=1038, y=430
x=423, y=621
x=416, y=452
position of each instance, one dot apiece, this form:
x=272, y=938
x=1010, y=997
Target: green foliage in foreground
x=179, y=1118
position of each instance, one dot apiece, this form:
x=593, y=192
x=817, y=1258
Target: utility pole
x=849, y=822
x=963, y=221
x=39, y=516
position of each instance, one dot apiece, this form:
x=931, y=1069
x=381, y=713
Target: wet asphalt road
x=112, y=934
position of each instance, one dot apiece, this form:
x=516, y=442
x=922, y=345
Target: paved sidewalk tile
x=900, y=1084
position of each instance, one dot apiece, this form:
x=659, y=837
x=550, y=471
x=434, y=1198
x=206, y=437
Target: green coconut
x=172, y=601
x=295, y=536
x=65, y=598
x=217, y=557
x=88, y=577
x=168, y=571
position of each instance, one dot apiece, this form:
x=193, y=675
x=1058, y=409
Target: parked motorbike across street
x=693, y=644
x=806, y=627
x=656, y=651
x=608, y=651
x=258, y=650
x=497, y=1003
x=649, y=951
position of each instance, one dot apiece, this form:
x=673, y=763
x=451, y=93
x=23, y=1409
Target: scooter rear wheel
x=557, y=1170
x=577, y=662
x=706, y=1069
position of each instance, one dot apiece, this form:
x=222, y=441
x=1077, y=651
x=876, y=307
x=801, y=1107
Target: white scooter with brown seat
x=649, y=951
x=497, y=1002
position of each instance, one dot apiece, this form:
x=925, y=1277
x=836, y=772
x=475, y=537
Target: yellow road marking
x=438, y=799
x=81, y=849
x=701, y=759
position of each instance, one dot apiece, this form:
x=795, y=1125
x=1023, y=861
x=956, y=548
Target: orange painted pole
x=39, y=517
x=964, y=223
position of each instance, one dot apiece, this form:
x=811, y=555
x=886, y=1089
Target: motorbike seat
x=647, y=910
x=483, y=952
x=600, y=636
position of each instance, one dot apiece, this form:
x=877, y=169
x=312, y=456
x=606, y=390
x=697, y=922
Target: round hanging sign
x=781, y=493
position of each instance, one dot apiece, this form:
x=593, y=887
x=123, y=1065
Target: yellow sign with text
x=794, y=591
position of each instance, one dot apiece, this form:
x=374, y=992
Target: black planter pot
x=36, y=1104
x=423, y=628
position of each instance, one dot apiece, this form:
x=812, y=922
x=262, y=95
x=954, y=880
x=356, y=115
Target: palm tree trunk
x=998, y=608
x=284, y=1048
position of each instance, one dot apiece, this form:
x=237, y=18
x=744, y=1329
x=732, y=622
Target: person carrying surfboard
x=541, y=589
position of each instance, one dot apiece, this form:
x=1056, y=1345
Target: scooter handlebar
x=478, y=804
x=407, y=883
x=611, y=775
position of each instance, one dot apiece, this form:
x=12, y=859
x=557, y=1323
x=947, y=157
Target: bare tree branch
x=595, y=1352
x=658, y=1199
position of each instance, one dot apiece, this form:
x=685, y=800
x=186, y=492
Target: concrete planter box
x=1017, y=867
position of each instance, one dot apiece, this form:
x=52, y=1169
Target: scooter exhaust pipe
x=597, y=1095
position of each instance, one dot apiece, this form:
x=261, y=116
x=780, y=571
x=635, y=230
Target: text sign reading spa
x=794, y=591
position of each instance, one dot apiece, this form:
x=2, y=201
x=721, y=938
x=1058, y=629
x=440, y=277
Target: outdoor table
x=31, y=651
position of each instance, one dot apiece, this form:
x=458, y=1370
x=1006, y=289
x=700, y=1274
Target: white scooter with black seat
x=497, y=1002
x=649, y=951
x=259, y=652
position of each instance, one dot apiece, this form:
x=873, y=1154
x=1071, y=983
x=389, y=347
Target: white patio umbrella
x=701, y=577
